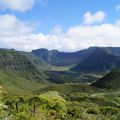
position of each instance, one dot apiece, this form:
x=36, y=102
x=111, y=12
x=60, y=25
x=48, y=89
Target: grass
x=13, y=83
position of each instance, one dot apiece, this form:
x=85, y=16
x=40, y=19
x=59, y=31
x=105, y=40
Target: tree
x=20, y=100
x=35, y=101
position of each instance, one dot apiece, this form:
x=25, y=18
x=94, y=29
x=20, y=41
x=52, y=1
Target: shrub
x=109, y=110
x=53, y=101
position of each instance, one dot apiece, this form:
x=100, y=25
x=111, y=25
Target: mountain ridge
x=57, y=58
x=101, y=60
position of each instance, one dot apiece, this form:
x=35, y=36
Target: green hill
x=101, y=60
x=12, y=82
x=25, y=64
x=21, y=70
x=110, y=81
x=68, y=88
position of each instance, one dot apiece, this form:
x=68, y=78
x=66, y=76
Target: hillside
x=21, y=70
x=114, y=50
x=69, y=88
x=56, y=58
x=24, y=97
x=101, y=60
x=110, y=81
x=13, y=83
x=61, y=77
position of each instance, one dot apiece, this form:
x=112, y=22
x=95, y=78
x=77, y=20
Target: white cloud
x=118, y=7
x=56, y=30
x=12, y=30
x=20, y=5
x=90, y=18
x=19, y=35
x=11, y=26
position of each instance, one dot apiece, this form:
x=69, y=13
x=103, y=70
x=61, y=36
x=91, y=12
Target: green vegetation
x=21, y=71
x=30, y=89
x=45, y=106
x=110, y=81
x=71, y=77
x=69, y=88
x=12, y=82
x=23, y=63
x=101, y=60
x=51, y=105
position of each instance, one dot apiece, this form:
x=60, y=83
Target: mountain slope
x=61, y=77
x=57, y=58
x=100, y=60
x=24, y=64
x=12, y=82
x=110, y=81
x=114, y=50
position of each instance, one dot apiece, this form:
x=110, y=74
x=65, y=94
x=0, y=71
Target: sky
x=65, y=25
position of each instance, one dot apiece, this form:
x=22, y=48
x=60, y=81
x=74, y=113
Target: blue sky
x=65, y=13
x=59, y=24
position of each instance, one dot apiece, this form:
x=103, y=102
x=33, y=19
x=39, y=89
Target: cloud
x=90, y=18
x=20, y=5
x=80, y=37
x=12, y=30
x=56, y=30
x=18, y=34
x=11, y=26
x=118, y=7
